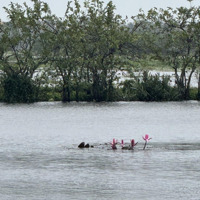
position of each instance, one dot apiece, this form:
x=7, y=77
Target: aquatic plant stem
x=145, y=144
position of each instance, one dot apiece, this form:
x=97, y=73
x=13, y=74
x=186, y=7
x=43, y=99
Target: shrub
x=150, y=88
x=19, y=89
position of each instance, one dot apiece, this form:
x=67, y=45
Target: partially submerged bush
x=19, y=89
x=150, y=88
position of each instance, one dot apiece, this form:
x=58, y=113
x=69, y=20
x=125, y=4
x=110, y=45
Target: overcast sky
x=123, y=7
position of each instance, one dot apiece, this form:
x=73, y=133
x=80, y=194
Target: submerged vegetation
x=78, y=57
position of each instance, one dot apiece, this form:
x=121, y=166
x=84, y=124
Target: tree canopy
x=80, y=54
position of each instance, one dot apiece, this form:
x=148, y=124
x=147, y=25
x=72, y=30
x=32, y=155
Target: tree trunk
x=66, y=94
x=110, y=95
x=77, y=92
x=95, y=88
x=183, y=84
x=187, y=89
x=198, y=94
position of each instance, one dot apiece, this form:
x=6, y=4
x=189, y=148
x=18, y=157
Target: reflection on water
x=39, y=158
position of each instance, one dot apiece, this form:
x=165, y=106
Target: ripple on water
x=39, y=158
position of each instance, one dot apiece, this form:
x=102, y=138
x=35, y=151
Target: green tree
x=106, y=34
x=173, y=37
x=87, y=45
x=20, y=55
x=66, y=54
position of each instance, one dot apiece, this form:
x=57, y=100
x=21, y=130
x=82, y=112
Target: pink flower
x=122, y=143
x=132, y=143
x=146, y=138
x=113, y=144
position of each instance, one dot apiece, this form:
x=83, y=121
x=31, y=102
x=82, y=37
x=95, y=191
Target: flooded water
x=39, y=158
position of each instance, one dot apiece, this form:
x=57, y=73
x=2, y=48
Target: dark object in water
x=87, y=146
x=126, y=148
x=81, y=145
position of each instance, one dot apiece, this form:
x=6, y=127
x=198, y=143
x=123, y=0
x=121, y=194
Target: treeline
x=77, y=57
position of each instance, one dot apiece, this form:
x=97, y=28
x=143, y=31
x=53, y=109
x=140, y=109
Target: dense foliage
x=78, y=57
x=150, y=88
x=18, y=89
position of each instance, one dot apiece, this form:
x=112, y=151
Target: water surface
x=39, y=158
